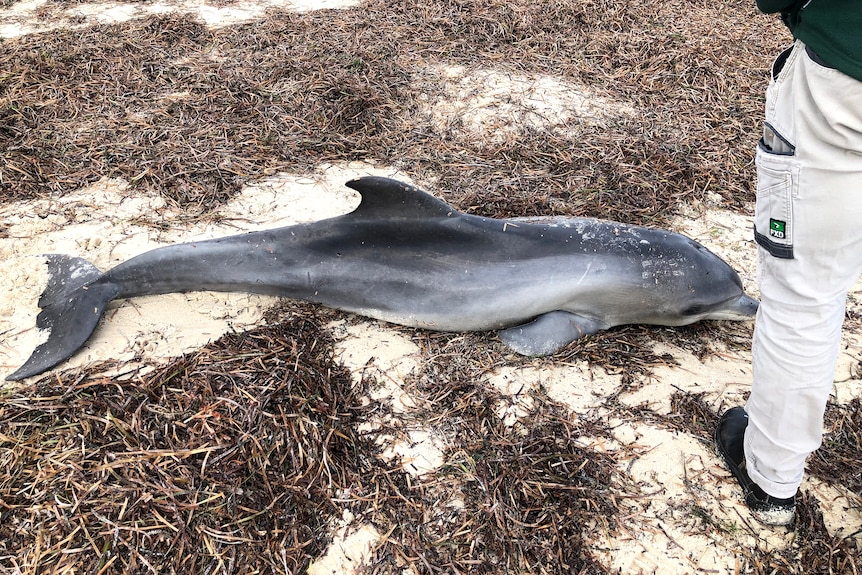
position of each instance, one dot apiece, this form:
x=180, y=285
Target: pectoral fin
x=549, y=333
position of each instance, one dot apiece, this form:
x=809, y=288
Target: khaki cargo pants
x=808, y=226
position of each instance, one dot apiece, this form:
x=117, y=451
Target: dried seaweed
x=815, y=550
x=194, y=114
x=238, y=455
x=510, y=498
x=837, y=460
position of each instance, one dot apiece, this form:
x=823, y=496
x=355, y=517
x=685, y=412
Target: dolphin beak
x=742, y=308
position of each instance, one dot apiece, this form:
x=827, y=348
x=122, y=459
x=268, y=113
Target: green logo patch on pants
x=777, y=229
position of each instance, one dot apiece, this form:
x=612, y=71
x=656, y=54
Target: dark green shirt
x=832, y=28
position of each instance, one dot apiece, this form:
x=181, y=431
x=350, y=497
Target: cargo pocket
x=777, y=185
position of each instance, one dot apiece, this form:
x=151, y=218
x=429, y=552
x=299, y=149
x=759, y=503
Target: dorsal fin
x=385, y=197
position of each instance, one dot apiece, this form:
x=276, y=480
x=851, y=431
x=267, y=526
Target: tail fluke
x=72, y=304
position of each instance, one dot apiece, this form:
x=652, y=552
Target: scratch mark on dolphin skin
x=586, y=271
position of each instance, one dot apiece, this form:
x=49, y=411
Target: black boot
x=729, y=440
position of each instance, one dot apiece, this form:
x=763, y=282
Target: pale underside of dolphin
x=408, y=258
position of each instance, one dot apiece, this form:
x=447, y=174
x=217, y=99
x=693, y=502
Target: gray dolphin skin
x=408, y=258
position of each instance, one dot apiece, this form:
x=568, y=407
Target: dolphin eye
x=694, y=310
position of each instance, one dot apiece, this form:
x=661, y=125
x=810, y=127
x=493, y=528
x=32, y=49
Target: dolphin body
x=408, y=258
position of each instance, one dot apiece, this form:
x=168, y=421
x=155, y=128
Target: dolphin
x=406, y=257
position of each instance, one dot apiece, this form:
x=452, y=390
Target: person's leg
x=808, y=226
x=794, y=355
